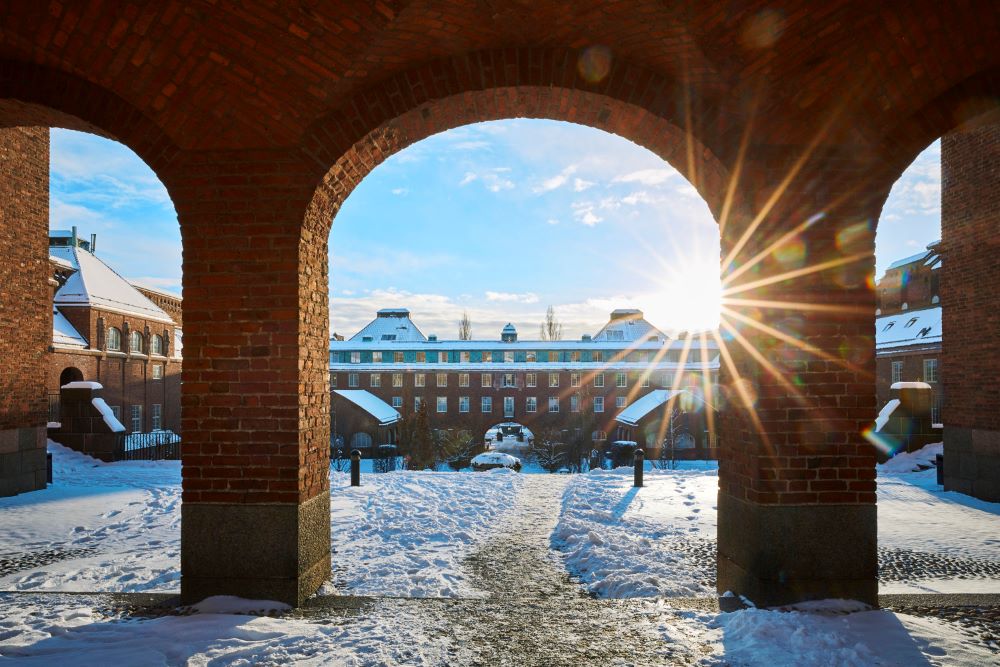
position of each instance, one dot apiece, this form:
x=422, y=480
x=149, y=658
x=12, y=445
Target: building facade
x=908, y=326
x=569, y=387
x=105, y=329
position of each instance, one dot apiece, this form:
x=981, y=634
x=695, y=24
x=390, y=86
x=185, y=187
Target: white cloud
x=579, y=185
x=400, y=191
x=468, y=178
x=470, y=145
x=647, y=176
x=492, y=179
x=552, y=221
x=526, y=297
x=556, y=181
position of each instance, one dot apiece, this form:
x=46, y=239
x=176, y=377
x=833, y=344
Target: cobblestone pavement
x=977, y=616
x=11, y=563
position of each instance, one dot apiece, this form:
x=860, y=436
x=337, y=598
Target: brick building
x=107, y=330
x=571, y=387
x=908, y=326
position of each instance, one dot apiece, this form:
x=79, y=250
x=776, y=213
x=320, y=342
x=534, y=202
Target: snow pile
x=64, y=630
x=885, y=413
x=407, y=533
x=626, y=542
x=912, y=461
x=83, y=384
x=495, y=458
x=910, y=385
x=108, y=415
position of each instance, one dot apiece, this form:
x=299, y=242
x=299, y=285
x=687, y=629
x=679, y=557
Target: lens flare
x=594, y=63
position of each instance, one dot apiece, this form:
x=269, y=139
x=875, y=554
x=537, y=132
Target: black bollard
x=639, y=463
x=355, y=468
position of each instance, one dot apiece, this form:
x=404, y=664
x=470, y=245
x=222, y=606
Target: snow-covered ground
x=406, y=533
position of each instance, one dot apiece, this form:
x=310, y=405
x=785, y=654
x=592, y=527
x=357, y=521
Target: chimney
x=93, y=243
x=73, y=240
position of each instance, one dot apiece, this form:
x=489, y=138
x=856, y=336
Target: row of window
x=135, y=416
x=930, y=370
x=496, y=356
x=531, y=404
x=135, y=342
x=507, y=380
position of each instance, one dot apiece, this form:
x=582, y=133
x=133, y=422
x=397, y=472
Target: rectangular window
x=136, y=418
x=508, y=406
x=531, y=404
x=397, y=357
x=442, y=404
x=421, y=357
x=463, y=379
x=599, y=380
x=930, y=370
x=157, y=416
x=375, y=379
x=553, y=404
x=463, y=403
x=397, y=379
x=621, y=380
x=620, y=401
x=355, y=357
x=333, y=379
x=397, y=402
x=508, y=356
x=418, y=379
x=530, y=380
x=417, y=402
x=897, y=371
x=508, y=380
x=442, y=379
x=116, y=410
x=377, y=356
x=665, y=382
x=574, y=403
x=598, y=404
x=486, y=405
x=553, y=379
x=463, y=357
x=936, y=404
x=486, y=379
x=574, y=379
x=352, y=379
x=645, y=380
x=157, y=371
x=530, y=356
x=574, y=355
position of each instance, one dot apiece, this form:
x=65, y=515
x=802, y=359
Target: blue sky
x=499, y=219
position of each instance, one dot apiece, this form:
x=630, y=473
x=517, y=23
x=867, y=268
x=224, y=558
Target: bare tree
x=548, y=450
x=465, y=327
x=551, y=328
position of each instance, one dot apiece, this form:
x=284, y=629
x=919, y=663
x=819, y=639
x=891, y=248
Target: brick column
x=25, y=307
x=255, y=397
x=797, y=479
x=970, y=235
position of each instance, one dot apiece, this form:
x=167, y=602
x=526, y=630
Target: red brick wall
x=970, y=221
x=25, y=306
x=913, y=371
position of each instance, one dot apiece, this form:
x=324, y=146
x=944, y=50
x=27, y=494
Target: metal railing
x=154, y=446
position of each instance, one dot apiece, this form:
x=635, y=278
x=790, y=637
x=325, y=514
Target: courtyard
x=485, y=568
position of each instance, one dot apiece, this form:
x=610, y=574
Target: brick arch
x=642, y=106
x=35, y=95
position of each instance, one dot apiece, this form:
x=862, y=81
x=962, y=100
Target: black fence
x=155, y=446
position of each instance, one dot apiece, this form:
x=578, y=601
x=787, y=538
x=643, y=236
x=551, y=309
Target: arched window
x=361, y=441
x=598, y=436
x=156, y=344
x=114, y=339
x=135, y=342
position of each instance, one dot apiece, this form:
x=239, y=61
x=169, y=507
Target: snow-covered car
x=491, y=460
x=562, y=471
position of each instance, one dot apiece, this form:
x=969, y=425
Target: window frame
x=621, y=379
x=531, y=404
x=553, y=404
x=486, y=380
x=553, y=380
x=486, y=405
x=441, y=401
x=598, y=404
x=933, y=365
x=113, y=339
x=419, y=380
x=353, y=380
x=599, y=380
x=463, y=404
x=375, y=380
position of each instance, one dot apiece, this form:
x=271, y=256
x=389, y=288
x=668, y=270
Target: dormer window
x=912, y=321
x=114, y=340
x=888, y=326
x=923, y=332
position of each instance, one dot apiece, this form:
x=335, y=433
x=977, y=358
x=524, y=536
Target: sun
x=688, y=295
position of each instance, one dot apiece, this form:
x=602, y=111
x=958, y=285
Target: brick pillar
x=970, y=222
x=25, y=307
x=255, y=396
x=797, y=490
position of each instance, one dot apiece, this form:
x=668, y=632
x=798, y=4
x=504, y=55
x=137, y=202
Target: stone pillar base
x=781, y=554
x=972, y=462
x=22, y=459
x=262, y=552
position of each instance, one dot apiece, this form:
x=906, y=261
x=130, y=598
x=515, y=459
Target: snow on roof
x=391, y=325
x=628, y=325
x=372, y=404
x=65, y=334
x=495, y=458
x=911, y=327
x=908, y=260
x=509, y=328
x=83, y=384
x=96, y=284
x=108, y=415
x=910, y=385
x=61, y=262
x=631, y=415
